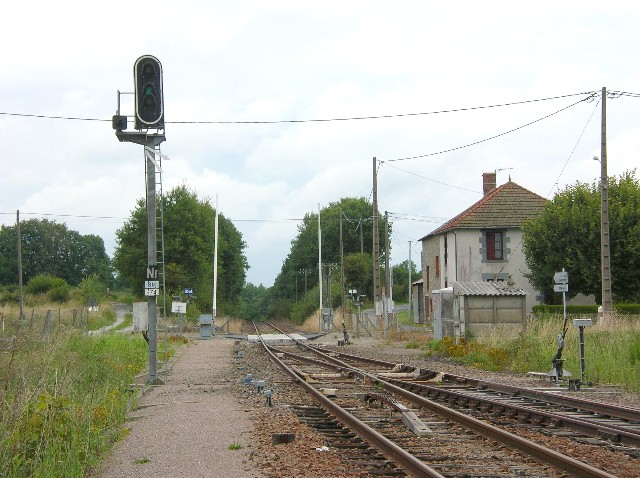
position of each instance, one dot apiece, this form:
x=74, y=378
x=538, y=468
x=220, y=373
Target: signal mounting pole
x=148, y=116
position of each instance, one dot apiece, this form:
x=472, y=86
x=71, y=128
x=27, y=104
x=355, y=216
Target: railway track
x=608, y=425
x=383, y=417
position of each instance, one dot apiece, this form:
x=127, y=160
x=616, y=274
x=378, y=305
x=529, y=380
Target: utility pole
x=387, y=275
x=361, y=237
x=342, y=267
x=410, y=267
x=605, y=256
x=20, y=297
x=320, y=269
x=376, y=242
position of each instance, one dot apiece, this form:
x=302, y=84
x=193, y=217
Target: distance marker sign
x=151, y=283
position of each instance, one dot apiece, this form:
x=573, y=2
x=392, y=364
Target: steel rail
x=584, y=425
x=393, y=452
x=616, y=411
x=510, y=440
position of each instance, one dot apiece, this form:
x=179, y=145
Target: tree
x=50, y=248
x=567, y=234
x=254, y=302
x=189, y=250
x=400, y=279
x=303, y=255
x=358, y=274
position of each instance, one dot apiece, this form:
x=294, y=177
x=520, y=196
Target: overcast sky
x=299, y=60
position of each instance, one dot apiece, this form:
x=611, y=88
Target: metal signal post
x=148, y=115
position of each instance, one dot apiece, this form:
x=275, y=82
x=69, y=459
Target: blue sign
x=188, y=291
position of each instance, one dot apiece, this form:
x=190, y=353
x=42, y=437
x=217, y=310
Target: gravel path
x=185, y=427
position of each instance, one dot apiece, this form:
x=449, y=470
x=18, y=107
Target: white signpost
x=561, y=280
x=179, y=307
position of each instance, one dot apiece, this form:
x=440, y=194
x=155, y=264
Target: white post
x=410, y=316
x=564, y=306
x=215, y=262
x=320, y=269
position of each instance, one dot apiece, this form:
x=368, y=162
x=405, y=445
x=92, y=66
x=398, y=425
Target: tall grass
x=63, y=399
x=612, y=349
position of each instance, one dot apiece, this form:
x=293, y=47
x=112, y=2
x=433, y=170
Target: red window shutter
x=491, y=245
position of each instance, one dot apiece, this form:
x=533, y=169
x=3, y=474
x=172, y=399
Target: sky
x=462, y=88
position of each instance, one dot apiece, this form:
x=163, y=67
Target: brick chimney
x=488, y=182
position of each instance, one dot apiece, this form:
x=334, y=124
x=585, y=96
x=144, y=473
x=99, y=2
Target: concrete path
x=185, y=427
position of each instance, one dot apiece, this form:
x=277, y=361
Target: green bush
x=627, y=309
x=307, y=305
x=92, y=287
x=8, y=296
x=559, y=309
x=43, y=283
x=59, y=293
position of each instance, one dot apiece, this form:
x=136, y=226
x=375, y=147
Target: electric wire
x=518, y=249
x=574, y=148
x=313, y=120
x=494, y=136
x=429, y=179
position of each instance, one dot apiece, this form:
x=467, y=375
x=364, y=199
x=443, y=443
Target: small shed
x=417, y=301
x=483, y=305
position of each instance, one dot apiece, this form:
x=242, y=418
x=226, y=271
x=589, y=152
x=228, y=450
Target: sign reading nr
x=152, y=273
x=151, y=283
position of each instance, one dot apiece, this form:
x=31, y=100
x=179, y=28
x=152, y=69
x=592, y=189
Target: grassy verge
x=612, y=350
x=63, y=400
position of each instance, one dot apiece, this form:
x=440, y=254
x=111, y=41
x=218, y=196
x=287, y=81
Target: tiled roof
x=507, y=206
x=487, y=288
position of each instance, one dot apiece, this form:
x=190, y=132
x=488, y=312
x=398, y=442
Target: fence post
x=47, y=323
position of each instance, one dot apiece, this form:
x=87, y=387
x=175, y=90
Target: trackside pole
x=152, y=265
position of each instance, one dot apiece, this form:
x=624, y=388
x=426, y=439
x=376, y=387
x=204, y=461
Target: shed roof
x=487, y=288
x=507, y=206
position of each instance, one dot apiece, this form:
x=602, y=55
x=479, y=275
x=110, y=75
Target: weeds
x=63, y=399
x=612, y=350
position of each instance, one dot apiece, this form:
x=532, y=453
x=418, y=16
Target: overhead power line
x=316, y=120
x=497, y=135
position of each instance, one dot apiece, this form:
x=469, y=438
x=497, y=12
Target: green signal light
x=148, y=90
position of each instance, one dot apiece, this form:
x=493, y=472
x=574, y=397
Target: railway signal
x=148, y=114
x=149, y=108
